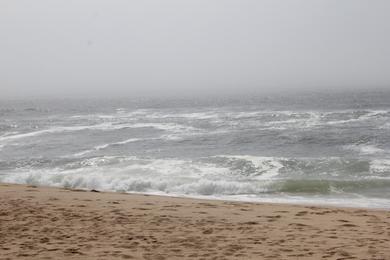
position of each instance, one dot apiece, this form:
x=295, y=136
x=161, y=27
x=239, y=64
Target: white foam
x=299, y=120
x=268, y=166
x=9, y=133
x=83, y=152
x=369, y=115
x=380, y=166
x=385, y=126
x=142, y=175
x=101, y=147
x=104, y=146
x=175, y=178
x=56, y=129
x=176, y=128
x=364, y=149
x=180, y=178
x=192, y=116
x=141, y=178
x=172, y=127
x=308, y=119
x=131, y=140
x=273, y=113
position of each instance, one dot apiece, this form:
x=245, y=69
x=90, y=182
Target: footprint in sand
x=301, y=213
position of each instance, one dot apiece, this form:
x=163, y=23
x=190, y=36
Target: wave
x=120, y=113
x=264, y=167
x=57, y=129
x=380, y=167
x=364, y=149
x=104, y=146
x=225, y=176
x=120, y=182
x=329, y=117
x=175, y=128
x=140, y=178
x=237, y=168
x=8, y=134
x=191, y=116
x=180, y=124
x=385, y=126
x=331, y=186
x=356, y=116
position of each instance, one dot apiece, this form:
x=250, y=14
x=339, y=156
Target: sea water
x=313, y=148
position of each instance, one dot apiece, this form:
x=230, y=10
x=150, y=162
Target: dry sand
x=49, y=223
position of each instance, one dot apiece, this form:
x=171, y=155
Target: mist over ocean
x=303, y=148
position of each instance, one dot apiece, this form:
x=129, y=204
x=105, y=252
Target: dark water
x=306, y=148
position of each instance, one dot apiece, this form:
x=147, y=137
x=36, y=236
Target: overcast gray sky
x=181, y=47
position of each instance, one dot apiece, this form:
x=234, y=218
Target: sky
x=115, y=48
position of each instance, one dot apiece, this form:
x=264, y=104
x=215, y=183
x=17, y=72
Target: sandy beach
x=50, y=223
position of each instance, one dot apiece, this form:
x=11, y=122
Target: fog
x=73, y=48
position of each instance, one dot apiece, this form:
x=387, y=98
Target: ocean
x=303, y=148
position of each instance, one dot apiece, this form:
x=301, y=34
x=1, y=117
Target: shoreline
x=57, y=223
x=214, y=198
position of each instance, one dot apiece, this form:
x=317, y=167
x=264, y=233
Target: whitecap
x=364, y=149
x=380, y=166
x=177, y=128
x=56, y=129
x=367, y=116
x=104, y=146
x=268, y=166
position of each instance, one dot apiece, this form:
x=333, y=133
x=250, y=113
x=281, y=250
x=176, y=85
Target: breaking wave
x=218, y=176
x=103, y=127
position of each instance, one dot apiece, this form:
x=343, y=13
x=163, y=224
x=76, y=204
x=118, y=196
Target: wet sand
x=50, y=223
